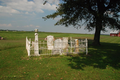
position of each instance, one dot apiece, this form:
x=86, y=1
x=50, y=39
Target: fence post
x=71, y=44
x=29, y=48
x=28, y=42
x=86, y=46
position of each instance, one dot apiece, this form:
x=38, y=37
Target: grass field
x=102, y=63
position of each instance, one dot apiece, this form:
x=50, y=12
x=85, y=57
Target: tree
x=97, y=14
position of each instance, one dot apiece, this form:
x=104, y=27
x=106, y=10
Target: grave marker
x=57, y=47
x=65, y=42
x=36, y=47
x=76, y=46
x=50, y=40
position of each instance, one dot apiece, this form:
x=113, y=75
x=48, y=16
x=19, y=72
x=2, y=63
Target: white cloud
x=37, y=26
x=26, y=13
x=22, y=5
x=17, y=6
x=33, y=13
x=30, y=26
x=57, y=18
x=5, y=25
x=53, y=1
x=5, y=9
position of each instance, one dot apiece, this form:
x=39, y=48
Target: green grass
x=102, y=63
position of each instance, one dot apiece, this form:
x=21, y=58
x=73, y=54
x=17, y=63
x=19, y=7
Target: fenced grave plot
x=64, y=48
x=59, y=47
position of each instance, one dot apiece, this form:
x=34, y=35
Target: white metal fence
x=28, y=42
x=74, y=46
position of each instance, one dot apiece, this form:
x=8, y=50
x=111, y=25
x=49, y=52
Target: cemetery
x=100, y=63
x=52, y=46
x=74, y=44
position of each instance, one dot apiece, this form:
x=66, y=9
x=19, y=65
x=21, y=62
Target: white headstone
x=57, y=47
x=65, y=42
x=50, y=40
x=36, y=47
x=58, y=44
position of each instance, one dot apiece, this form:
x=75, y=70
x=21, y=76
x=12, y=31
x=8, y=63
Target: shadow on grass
x=99, y=57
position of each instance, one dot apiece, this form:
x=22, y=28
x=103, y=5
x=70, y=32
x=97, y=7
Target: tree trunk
x=96, y=41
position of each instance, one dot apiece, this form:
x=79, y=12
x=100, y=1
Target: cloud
x=30, y=26
x=4, y=9
x=37, y=26
x=17, y=6
x=5, y=25
x=57, y=18
x=26, y=13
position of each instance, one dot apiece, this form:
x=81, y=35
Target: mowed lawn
x=102, y=63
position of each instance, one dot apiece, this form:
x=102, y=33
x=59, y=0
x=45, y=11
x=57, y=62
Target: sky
x=27, y=15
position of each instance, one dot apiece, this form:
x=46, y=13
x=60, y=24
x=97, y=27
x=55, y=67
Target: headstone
x=65, y=42
x=57, y=47
x=36, y=47
x=76, y=46
x=50, y=40
x=58, y=44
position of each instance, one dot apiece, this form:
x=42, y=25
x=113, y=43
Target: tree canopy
x=96, y=14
